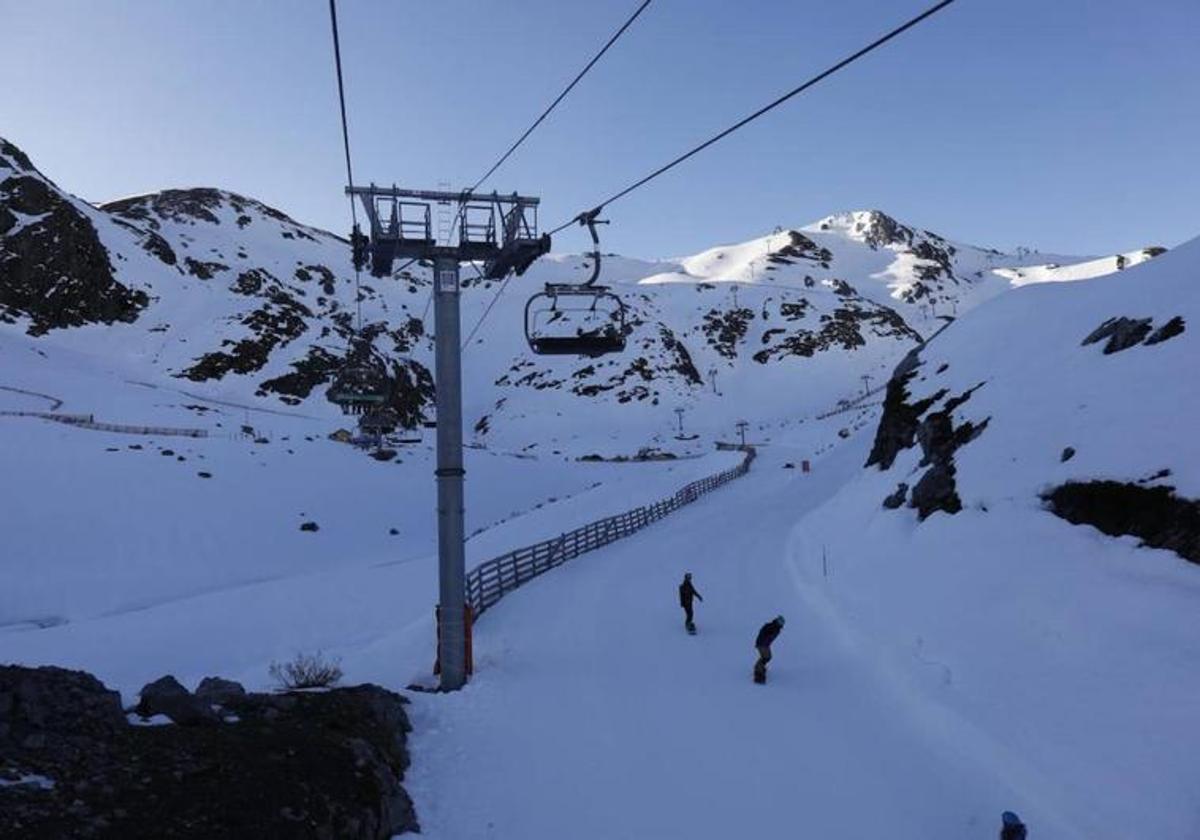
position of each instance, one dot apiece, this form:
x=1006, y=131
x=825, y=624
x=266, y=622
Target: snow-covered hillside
x=1056, y=273
x=955, y=645
x=1065, y=655
x=209, y=290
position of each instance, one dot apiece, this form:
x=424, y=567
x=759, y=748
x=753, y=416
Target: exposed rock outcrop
x=905, y=424
x=296, y=765
x=1123, y=333
x=1153, y=514
x=54, y=270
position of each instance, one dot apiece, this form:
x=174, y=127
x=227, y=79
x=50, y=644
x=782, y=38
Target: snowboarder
x=1011, y=827
x=766, y=635
x=687, y=593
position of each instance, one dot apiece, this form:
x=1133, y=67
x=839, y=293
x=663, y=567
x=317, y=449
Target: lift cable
x=561, y=96
x=760, y=112
x=488, y=309
x=467, y=193
x=337, y=60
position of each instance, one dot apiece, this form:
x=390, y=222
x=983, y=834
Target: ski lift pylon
x=566, y=305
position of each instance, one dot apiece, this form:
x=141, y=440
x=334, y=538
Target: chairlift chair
x=356, y=389
x=590, y=319
x=379, y=421
x=594, y=316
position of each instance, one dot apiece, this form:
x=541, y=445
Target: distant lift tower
x=499, y=231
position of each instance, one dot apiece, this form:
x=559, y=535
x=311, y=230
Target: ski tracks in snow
x=594, y=715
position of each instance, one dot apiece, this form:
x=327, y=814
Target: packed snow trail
x=594, y=714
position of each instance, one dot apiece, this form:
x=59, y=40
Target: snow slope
x=631, y=728
x=98, y=523
x=1068, y=654
x=932, y=672
x=220, y=294
x=1055, y=273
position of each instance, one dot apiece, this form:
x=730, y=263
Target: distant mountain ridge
x=236, y=297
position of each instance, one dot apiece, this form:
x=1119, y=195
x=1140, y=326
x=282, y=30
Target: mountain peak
x=873, y=227
x=193, y=204
x=16, y=159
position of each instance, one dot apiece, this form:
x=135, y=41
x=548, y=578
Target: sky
x=1069, y=126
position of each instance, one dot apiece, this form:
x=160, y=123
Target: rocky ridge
x=218, y=763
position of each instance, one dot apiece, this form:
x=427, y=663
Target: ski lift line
x=879, y=42
x=487, y=311
x=616, y=35
x=467, y=193
x=337, y=60
x=428, y=302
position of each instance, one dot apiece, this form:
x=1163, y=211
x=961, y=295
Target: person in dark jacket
x=687, y=593
x=1011, y=827
x=767, y=634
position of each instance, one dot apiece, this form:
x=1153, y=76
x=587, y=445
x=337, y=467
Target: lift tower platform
x=499, y=231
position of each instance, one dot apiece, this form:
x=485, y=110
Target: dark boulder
x=1122, y=333
x=936, y=490
x=896, y=499
x=166, y=696
x=44, y=703
x=214, y=690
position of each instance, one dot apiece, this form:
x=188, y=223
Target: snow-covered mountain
x=985, y=570
x=1018, y=542
x=220, y=294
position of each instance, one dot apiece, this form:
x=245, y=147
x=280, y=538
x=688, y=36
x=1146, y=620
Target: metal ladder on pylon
x=445, y=216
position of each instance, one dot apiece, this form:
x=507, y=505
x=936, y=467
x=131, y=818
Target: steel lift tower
x=499, y=231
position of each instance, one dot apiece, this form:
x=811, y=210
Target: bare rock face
x=878, y=229
x=299, y=765
x=1123, y=333
x=930, y=424
x=898, y=426
x=1156, y=515
x=53, y=268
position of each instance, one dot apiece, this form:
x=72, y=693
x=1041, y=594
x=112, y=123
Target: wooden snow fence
x=491, y=580
x=87, y=421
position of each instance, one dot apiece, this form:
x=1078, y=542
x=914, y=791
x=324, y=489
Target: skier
x=1011, y=827
x=687, y=593
x=766, y=635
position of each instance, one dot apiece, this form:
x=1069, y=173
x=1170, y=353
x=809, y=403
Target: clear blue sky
x=1071, y=125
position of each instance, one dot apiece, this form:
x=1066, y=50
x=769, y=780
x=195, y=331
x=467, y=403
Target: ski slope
x=594, y=715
